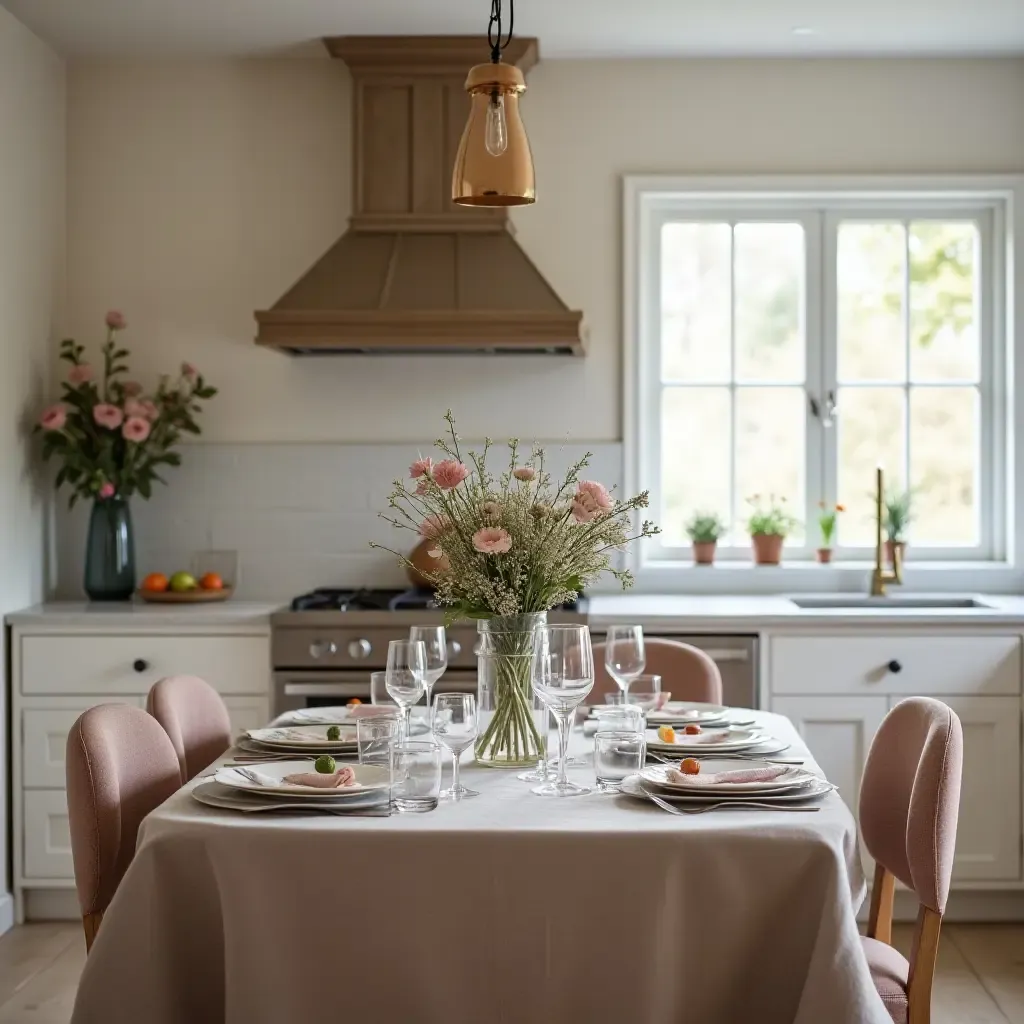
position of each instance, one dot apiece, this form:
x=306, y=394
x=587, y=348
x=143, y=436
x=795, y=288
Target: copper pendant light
x=494, y=166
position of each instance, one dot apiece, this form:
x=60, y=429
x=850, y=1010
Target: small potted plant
x=828, y=516
x=896, y=522
x=769, y=524
x=704, y=529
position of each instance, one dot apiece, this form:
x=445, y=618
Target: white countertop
x=135, y=614
x=748, y=614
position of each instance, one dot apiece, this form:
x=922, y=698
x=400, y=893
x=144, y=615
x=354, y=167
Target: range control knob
x=319, y=648
x=360, y=649
x=454, y=648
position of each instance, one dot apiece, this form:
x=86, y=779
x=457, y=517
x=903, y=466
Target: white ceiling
x=566, y=28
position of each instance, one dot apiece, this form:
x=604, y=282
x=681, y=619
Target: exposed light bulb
x=496, y=127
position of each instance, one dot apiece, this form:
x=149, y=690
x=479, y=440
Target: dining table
x=507, y=907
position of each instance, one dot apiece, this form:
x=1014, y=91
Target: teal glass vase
x=110, y=551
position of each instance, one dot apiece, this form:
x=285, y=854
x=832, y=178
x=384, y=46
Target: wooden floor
x=980, y=978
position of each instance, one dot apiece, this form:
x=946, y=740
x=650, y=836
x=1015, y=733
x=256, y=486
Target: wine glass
x=624, y=656
x=563, y=674
x=453, y=723
x=406, y=676
x=436, y=644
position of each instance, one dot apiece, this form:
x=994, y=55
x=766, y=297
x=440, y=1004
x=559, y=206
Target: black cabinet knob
x=894, y=666
x=140, y=664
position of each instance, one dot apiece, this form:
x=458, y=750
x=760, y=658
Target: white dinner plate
x=303, y=737
x=340, y=715
x=213, y=794
x=368, y=777
x=792, y=778
x=719, y=741
x=688, y=711
x=814, y=791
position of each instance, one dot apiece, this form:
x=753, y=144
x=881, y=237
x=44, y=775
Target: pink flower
x=449, y=474
x=421, y=467
x=590, y=501
x=189, y=372
x=80, y=374
x=491, y=509
x=116, y=320
x=149, y=409
x=524, y=473
x=107, y=415
x=132, y=388
x=492, y=540
x=135, y=429
x=433, y=526
x=133, y=407
x=107, y=490
x=54, y=418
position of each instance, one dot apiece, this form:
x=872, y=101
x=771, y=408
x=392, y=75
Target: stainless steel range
x=326, y=646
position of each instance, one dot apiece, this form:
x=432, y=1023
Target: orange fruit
x=211, y=581
x=691, y=730
x=666, y=734
x=690, y=766
x=155, y=581
x=354, y=701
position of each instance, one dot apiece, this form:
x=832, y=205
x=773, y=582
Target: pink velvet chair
x=195, y=718
x=120, y=766
x=909, y=801
x=686, y=671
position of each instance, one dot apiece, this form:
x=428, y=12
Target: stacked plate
x=347, y=715
x=689, y=712
x=784, y=784
x=264, y=789
x=302, y=740
x=731, y=739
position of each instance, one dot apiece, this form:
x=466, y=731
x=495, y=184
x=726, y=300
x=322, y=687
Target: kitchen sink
x=893, y=601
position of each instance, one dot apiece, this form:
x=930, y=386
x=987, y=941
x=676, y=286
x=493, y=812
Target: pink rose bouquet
x=110, y=436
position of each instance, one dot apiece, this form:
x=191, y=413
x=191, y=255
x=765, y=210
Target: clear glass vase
x=508, y=736
x=110, y=551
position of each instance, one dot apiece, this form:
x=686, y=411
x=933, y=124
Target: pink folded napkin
x=720, y=778
x=318, y=780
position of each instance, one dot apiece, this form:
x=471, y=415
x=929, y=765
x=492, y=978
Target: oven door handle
x=325, y=689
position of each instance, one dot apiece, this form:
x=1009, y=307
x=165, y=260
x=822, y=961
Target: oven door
x=298, y=689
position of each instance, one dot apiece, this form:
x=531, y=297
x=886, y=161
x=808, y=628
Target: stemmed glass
x=454, y=725
x=436, y=644
x=541, y=719
x=406, y=676
x=624, y=656
x=563, y=674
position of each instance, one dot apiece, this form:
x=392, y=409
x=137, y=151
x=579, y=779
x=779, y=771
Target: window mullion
x=734, y=527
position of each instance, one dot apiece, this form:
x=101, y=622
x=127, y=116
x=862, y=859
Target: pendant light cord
x=494, y=32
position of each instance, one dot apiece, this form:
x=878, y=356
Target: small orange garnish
x=690, y=766
x=354, y=700
x=666, y=734
x=691, y=730
x=155, y=581
x=211, y=581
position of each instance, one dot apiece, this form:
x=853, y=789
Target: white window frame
x=995, y=202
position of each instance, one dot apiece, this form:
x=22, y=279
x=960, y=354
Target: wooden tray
x=184, y=596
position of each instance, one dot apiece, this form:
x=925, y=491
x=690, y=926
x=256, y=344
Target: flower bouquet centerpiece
x=112, y=437
x=515, y=545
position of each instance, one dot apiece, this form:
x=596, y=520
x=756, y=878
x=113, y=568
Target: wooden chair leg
x=922, y=966
x=883, y=892
x=91, y=925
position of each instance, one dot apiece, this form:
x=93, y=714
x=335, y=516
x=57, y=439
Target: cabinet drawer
x=119, y=664
x=47, y=835
x=44, y=738
x=896, y=664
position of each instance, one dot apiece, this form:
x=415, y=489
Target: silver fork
x=704, y=808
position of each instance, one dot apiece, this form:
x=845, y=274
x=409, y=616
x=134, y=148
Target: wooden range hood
x=414, y=272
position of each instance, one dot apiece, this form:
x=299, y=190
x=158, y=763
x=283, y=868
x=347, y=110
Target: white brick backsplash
x=299, y=515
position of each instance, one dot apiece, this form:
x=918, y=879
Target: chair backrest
x=910, y=796
x=686, y=671
x=120, y=766
x=194, y=717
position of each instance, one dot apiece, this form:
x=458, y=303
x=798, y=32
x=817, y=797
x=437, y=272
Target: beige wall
x=32, y=163
x=200, y=191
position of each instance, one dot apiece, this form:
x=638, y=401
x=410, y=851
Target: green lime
x=334, y=732
x=325, y=764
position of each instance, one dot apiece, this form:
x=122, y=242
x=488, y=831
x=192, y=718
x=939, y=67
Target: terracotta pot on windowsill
x=890, y=545
x=704, y=552
x=767, y=548
x=824, y=555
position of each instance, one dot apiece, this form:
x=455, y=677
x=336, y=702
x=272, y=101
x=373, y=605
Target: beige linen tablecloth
x=506, y=908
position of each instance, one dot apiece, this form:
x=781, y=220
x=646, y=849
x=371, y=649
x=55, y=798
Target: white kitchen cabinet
x=988, y=842
x=64, y=662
